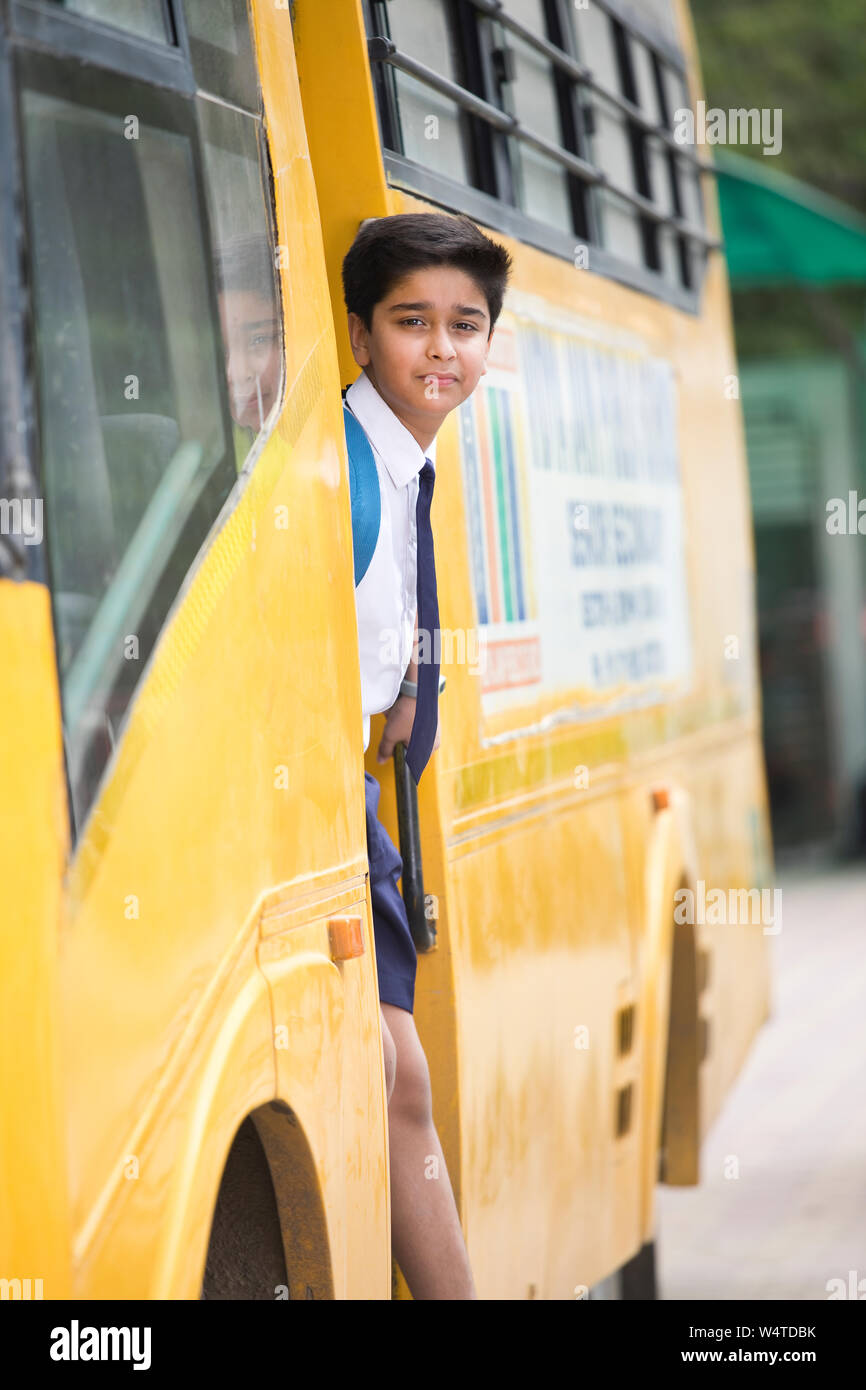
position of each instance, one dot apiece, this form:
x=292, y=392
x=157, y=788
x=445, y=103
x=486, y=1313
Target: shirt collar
x=400, y=452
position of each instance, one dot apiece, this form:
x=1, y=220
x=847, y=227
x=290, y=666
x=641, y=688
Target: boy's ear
x=359, y=339
x=486, y=351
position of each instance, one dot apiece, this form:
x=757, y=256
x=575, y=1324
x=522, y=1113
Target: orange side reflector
x=346, y=937
x=661, y=798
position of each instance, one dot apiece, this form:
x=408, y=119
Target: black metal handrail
x=384, y=50
x=414, y=899
x=584, y=77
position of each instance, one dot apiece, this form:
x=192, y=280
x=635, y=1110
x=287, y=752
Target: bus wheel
x=635, y=1279
x=245, y=1259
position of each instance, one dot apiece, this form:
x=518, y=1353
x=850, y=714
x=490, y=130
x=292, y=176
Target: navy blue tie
x=426, y=706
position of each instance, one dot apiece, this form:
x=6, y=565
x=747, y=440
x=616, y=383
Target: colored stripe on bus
x=507, y=559
x=511, y=468
x=474, y=505
x=493, y=578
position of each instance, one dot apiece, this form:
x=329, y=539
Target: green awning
x=779, y=231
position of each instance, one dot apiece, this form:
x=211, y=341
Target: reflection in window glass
x=135, y=462
x=677, y=99
x=660, y=15
x=214, y=21
x=660, y=175
x=610, y=147
x=144, y=18
x=429, y=123
x=691, y=193
x=221, y=48
x=531, y=97
x=246, y=278
x=693, y=212
x=611, y=152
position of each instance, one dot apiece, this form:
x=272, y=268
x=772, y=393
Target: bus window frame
x=212, y=104
x=494, y=209
x=572, y=120
x=227, y=90
x=17, y=400
x=172, y=109
x=638, y=139
x=75, y=36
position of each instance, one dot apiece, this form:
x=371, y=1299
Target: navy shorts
x=396, y=957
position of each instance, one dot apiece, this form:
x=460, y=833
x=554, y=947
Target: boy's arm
x=411, y=672
x=401, y=715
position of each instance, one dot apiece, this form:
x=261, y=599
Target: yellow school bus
x=191, y=1093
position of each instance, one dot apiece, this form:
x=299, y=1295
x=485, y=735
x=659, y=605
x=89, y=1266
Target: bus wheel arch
x=679, y=1159
x=268, y=1237
x=670, y=1016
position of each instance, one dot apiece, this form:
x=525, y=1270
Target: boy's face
x=251, y=337
x=427, y=346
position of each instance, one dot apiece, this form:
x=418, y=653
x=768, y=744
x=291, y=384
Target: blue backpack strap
x=364, y=490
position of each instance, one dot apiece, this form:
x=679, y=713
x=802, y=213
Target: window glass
x=660, y=15
x=659, y=164
x=429, y=123
x=693, y=212
x=542, y=184
x=691, y=194
x=144, y=18
x=247, y=286
x=135, y=458
x=675, y=90
x=221, y=48
x=609, y=143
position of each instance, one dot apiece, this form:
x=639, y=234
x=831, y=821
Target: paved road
x=796, y=1119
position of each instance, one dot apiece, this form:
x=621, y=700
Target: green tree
x=807, y=59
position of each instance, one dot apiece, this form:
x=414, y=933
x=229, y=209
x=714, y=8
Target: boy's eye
x=473, y=327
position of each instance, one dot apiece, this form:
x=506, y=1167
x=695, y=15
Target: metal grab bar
x=383, y=50
x=423, y=929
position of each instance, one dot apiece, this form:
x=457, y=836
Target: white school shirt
x=386, y=600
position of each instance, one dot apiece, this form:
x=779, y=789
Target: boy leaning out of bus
x=423, y=293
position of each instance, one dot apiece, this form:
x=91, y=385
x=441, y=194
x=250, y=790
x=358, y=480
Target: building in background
x=797, y=262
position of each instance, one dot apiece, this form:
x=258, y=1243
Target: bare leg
x=425, y=1228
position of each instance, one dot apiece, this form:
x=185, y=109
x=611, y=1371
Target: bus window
x=660, y=14
x=430, y=127
x=674, y=94
x=221, y=48
x=529, y=93
x=610, y=143
x=638, y=150
x=247, y=289
x=662, y=166
x=143, y=18
x=558, y=129
x=133, y=436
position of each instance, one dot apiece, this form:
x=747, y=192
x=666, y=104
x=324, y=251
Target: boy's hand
x=398, y=727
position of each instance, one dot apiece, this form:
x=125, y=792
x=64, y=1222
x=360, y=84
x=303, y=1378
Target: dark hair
x=388, y=248
x=246, y=263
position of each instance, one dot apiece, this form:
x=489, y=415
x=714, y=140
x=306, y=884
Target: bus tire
x=636, y=1279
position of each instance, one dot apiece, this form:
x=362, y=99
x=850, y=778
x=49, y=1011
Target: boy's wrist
x=410, y=688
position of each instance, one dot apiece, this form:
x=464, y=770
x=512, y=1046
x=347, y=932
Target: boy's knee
x=413, y=1096
x=389, y=1051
